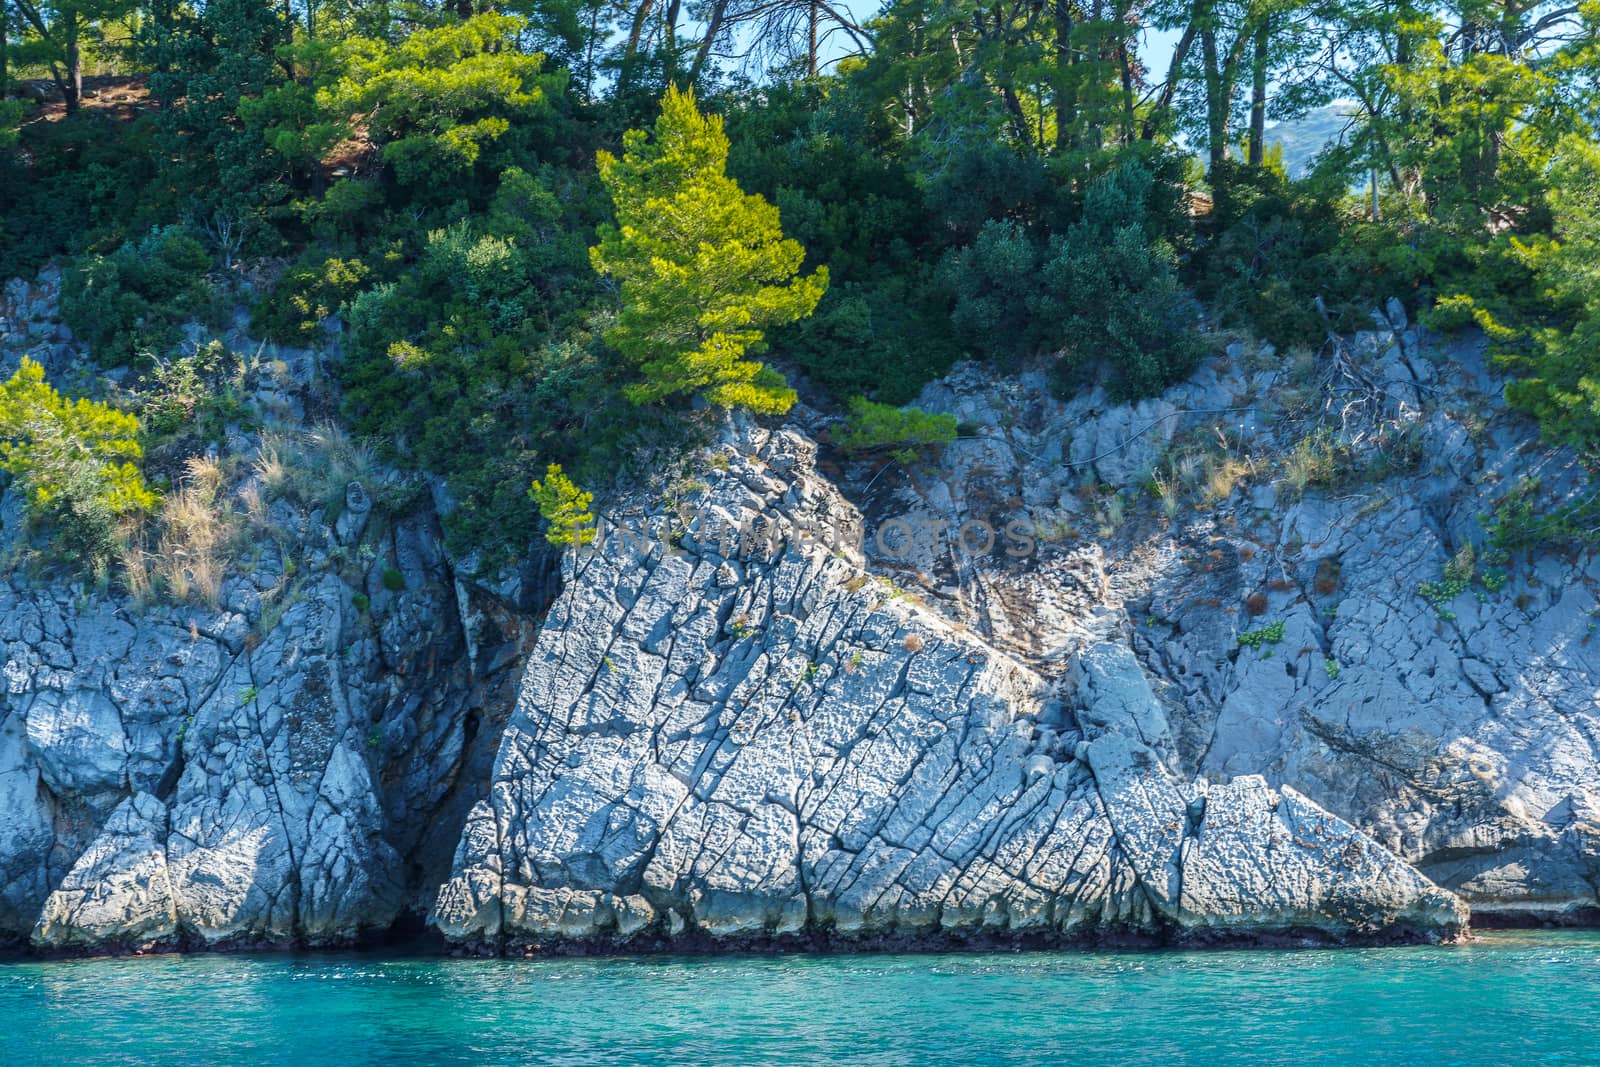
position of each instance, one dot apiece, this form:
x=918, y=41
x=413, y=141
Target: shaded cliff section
x=193, y=778
x=286, y=759
x=733, y=734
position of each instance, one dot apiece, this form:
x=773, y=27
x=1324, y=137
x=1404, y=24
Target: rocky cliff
x=1185, y=687
x=1297, y=548
x=739, y=734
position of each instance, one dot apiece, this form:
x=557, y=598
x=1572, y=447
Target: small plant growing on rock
x=1111, y=516
x=1259, y=638
x=1331, y=667
x=1165, y=491
x=912, y=643
x=565, y=508
x=308, y=293
x=393, y=580
x=198, y=393
x=1223, y=475
x=1452, y=583
x=904, y=433
x=196, y=532
x=1318, y=461
x=1256, y=604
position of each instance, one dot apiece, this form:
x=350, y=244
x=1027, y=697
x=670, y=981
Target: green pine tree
x=74, y=463
x=704, y=268
x=565, y=507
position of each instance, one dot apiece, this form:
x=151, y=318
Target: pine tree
x=565, y=507
x=73, y=462
x=704, y=268
x=435, y=101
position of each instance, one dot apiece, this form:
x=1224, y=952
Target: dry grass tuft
x=196, y=530
x=1223, y=473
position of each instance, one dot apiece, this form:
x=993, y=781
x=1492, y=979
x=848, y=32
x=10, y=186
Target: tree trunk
x=1258, y=93
x=5, y=40
x=811, y=39
x=1019, y=119
x=630, y=50
x=636, y=31
x=1066, y=98
x=669, y=61
x=72, y=89
x=1125, y=64
x=588, y=51
x=1180, y=53
x=718, y=10
x=1216, y=103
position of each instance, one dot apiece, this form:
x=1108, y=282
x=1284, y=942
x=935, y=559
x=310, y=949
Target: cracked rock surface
x=1456, y=722
x=290, y=766
x=806, y=753
x=1195, y=695
x=182, y=777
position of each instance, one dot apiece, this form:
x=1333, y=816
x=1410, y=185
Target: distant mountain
x=1303, y=138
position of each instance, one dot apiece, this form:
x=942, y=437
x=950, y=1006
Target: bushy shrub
x=842, y=180
x=75, y=464
x=1280, y=245
x=1111, y=288
x=189, y=400
x=308, y=293
x=85, y=181
x=995, y=287
x=703, y=268
x=903, y=322
x=132, y=302
x=448, y=93
x=565, y=508
x=907, y=434
x=1559, y=361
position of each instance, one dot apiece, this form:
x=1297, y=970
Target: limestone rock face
x=291, y=764
x=805, y=752
x=120, y=890
x=1096, y=670
x=1396, y=668
x=183, y=777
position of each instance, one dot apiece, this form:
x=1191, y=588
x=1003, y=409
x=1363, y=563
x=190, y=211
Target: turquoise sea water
x=1510, y=998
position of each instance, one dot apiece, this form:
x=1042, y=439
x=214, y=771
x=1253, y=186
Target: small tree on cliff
x=565, y=508
x=704, y=268
x=73, y=462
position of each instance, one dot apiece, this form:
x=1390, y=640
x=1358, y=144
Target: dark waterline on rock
x=1524, y=998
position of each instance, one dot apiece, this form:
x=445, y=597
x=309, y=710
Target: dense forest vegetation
x=551, y=231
